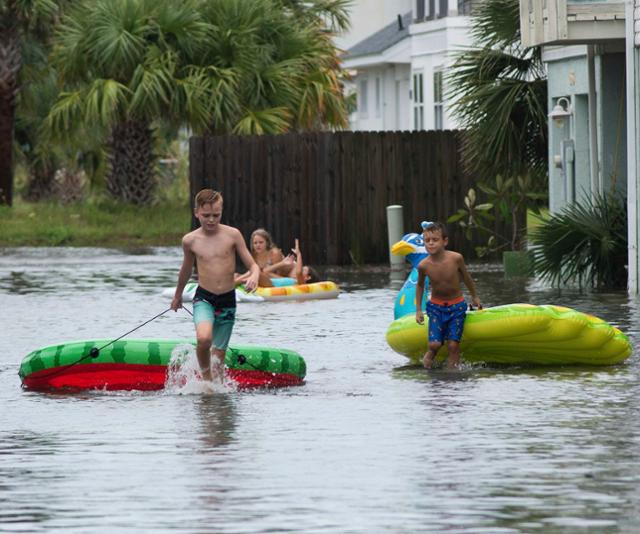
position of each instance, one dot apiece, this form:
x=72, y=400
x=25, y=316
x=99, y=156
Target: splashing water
x=184, y=377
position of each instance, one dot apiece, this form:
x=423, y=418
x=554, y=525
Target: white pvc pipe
x=395, y=233
x=633, y=122
x=593, y=126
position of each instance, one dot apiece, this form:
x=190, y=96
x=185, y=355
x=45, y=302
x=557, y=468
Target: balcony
x=568, y=22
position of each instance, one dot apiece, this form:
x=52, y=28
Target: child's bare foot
x=427, y=361
x=217, y=371
x=206, y=374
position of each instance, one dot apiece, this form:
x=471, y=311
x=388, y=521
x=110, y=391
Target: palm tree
x=284, y=62
x=499, y=91
x=32, y=147
x=217, y=66
x=500, y=94
x=17, y=20
x=126, y=65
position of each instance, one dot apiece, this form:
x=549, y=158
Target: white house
x=381, y=72
x=367, y=17
x=399, y=70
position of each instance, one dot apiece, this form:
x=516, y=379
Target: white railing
x=636, y=22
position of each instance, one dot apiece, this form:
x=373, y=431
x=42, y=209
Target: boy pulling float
x=214, y=247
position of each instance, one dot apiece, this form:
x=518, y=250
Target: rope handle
x=95, y=351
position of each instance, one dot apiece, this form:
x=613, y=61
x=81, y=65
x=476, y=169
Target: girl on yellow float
x=276, y=270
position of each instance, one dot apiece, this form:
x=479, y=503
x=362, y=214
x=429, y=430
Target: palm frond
x=497, y=23
x=499, y=95
x=266, y=121
x=103, y=102
x=585, y=243
x=334, y=14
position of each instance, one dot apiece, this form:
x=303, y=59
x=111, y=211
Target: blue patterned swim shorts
x=446, y=321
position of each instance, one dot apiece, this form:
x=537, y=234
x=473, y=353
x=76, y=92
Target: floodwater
x=367, y=445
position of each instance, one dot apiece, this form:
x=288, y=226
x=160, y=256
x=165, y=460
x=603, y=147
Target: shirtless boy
x=446, y=307
x=213, y=246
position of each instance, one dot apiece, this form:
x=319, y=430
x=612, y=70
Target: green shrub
x=584, y=243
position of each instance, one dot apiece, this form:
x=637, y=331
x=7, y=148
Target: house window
x=378, y=97
x=426, y=9
x=431, y=9
x=443, y=8
x=418, y=101
x=363, y=99
x=437, y=101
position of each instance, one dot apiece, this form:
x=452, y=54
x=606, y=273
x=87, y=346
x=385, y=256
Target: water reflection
x=217, y=417
x=23, y=484
x=19, y=282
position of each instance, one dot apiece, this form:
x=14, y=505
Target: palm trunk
x=7, y=110
x=130, y=176
x=10, y=64
x=40, y=184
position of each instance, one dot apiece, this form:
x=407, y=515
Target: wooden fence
x=331, y=189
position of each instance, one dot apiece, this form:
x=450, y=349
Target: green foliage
x=500, y=94
x=507, y=203
x=330, y=14
x=25, y=28
x=129, y=59
x=36, y=150
x=99, y=222
x=223, y=66
x=282, y=64
x=132, y=67
x=32, y=16
x=584, y=243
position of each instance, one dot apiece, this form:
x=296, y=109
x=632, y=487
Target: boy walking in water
x=446, y=307
x=213, y=246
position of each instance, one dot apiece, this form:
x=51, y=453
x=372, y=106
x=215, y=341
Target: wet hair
x=313, y=275
x=264, y=235
x=207, y=196
x=435, y=227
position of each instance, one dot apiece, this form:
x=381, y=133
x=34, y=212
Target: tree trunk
x=10, y=64
x=130, y=174
x=40, y=184
x=7, y=110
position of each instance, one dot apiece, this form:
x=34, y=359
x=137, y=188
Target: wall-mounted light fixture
x=561, y=111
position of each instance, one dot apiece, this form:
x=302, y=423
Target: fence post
x=395, y=233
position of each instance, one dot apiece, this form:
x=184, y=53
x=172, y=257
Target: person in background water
x=263, y=249
x=446, y=307
x=288, y=271
x=266, y=254
x=293, y=267
x=214, y=247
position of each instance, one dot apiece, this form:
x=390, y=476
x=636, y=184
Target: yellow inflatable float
x=316, y=290
x=522, y=334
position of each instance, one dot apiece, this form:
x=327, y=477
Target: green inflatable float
x=522, y=334
x=142, y=364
